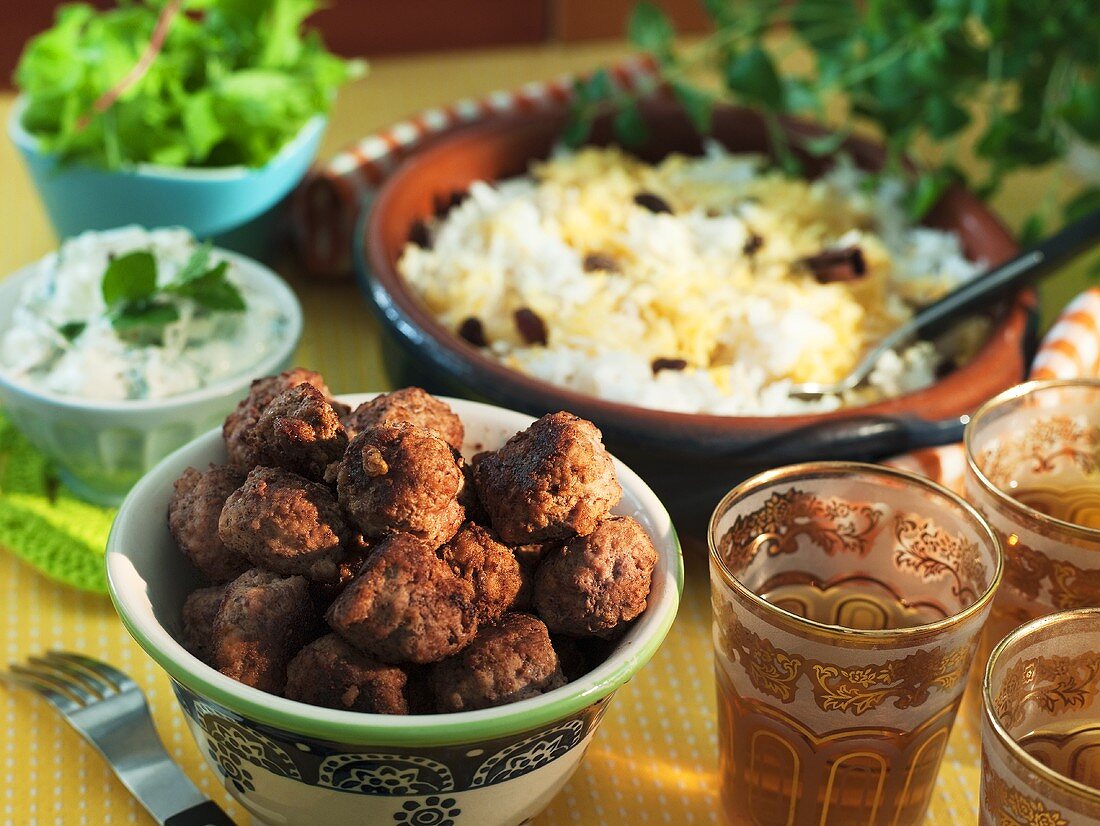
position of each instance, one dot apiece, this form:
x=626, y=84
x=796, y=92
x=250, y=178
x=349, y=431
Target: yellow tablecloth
x=654, y=758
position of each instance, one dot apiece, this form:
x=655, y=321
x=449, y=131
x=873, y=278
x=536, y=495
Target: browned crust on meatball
x=596, y=585
x=284, y=523
x=193, y=511
x=410, y=405
x=513, y=660
x=528, y=557
x=263, y=621
x=331, y=673
x=400, y=478
x=407, y=605
x=298, y=431
x=248, y=410
x=356, y=553
x=550, y=481
x=490, y=567
x=197, y=620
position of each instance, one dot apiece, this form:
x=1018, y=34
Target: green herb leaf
x=1083, y=203
x=630, y=126
x=196, y=264
x=135, y=315
x=944, y=116
x=72, y=329
x=1082, y=111
x=577, y=129
x=596, y=88
x=211, y=289
x=927, y=192
x=1032, y=231
x=697, y=103
x=649, y=29
x=752, y=75
x=822, y=145
x=130, y=277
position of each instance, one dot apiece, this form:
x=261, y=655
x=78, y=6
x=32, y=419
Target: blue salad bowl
x=238, y=207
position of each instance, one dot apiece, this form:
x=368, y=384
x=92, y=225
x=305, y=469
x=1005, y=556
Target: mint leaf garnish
x=211, y=289
x=196, y=265
x=139, y=310
x=72, y=329
x=130, y=277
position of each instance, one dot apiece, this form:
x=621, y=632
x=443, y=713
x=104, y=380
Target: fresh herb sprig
x=139, y=310
x=1024, y=73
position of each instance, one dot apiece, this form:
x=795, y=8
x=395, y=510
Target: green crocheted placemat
x=44, y=524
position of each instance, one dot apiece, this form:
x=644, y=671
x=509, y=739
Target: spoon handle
x=1070, y=242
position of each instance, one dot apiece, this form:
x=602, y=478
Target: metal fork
x=109, y=710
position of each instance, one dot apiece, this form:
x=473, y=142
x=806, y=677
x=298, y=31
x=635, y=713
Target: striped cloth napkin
x=1071, y=350
x=328, y=204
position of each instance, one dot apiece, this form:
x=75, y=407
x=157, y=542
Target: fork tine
x=58, y=681
x=53, y=693
x=76, y=679
x=94, y=669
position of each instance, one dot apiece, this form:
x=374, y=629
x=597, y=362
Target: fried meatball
x=355, y=556
x=406, y=605
x=528, y=558
x=193, y=510
x=298, y=431
x=262, y=623
x=400, y=478
x=490, y=567
x=550, y=481
x=197, y=617
x=596, y=584
x=286, y=524
x=510, y=661
x=329, y=672
x=468, y=498
x=412, y=406
x=248, y=410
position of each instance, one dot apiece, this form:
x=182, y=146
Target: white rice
x=747, y=327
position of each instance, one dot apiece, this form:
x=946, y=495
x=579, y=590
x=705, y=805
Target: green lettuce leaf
x=234, y=82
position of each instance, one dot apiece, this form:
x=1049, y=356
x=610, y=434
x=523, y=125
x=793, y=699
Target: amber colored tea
x=775, y=771
x=1073, y=499
x=1071, y=749
x=781, y=778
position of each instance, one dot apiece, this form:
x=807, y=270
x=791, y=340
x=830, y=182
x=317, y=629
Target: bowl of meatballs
x=393, y=608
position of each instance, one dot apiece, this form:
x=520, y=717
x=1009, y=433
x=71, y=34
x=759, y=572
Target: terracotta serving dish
x=691, y=460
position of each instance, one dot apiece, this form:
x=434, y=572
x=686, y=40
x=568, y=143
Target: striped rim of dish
x=326, y=206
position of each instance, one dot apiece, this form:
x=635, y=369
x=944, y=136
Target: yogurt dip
x=62, y=339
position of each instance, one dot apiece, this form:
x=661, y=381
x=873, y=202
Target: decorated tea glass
x=1039, y=442
x=848, y=603
x=1041, y=724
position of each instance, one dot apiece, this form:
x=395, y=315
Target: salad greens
x=233, y=82
x=139, y=309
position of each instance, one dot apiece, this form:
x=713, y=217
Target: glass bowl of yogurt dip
x=126, y=344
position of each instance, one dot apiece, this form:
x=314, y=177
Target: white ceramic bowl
x=102, y=447
x=287, y=762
